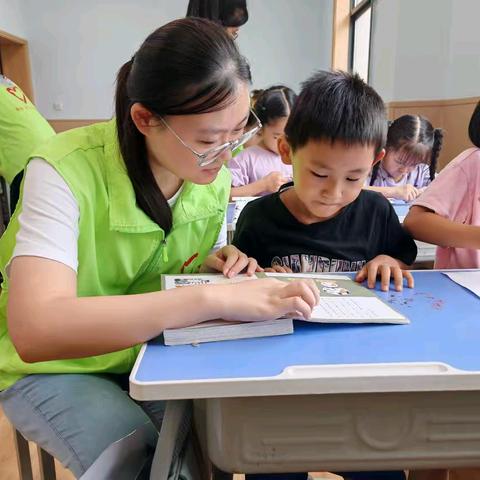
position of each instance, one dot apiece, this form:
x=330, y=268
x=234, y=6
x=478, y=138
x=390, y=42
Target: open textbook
x=217, y=330
x=342, y=301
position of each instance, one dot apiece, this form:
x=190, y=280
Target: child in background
x=230, y=14
x=326, y=221
x=410, y=162
x=448, y=213
x=259, y=170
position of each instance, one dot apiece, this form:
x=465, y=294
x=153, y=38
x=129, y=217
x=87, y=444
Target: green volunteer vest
x=22, y=129
x=121, y=250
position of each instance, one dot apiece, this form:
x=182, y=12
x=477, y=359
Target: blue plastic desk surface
x=445, y=327
x=401, y=209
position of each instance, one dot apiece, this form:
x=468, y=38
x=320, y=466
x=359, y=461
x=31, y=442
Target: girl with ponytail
x=259, y=170
x=107, y=209
x=411, y=158
x=448, y=213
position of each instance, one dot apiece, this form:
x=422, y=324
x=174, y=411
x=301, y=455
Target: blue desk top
x=401, y=209
x=445, y=327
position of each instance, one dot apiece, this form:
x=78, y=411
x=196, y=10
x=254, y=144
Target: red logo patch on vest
x=188, y=262
x=20, y=95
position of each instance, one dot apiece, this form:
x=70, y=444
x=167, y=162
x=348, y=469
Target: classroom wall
x=426, y=49
x=12, y=18
x=77, y=47
x=426, y=61
x=286, y=41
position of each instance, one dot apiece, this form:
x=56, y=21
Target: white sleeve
x=49, y=216
x=222, y=237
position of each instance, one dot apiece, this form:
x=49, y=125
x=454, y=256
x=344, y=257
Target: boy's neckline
x=292, y=204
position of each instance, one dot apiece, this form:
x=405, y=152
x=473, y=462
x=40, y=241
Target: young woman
x=107, y=209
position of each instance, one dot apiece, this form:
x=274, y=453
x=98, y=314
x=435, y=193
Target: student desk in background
x=426, y=251
x=333, y=397
x=234, y=210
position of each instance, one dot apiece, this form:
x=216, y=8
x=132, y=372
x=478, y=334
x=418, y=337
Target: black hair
x=186, y=67
x=474, y=126
x=337, y=106
x=414, y=137
x=273, y=103
x=228, y=13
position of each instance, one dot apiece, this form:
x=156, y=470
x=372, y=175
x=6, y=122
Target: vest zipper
x=164, y=250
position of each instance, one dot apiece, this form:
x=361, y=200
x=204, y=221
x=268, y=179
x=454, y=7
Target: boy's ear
x=379, y=156
x=285, y=150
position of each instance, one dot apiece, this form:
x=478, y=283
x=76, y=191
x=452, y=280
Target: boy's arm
x=427, y=226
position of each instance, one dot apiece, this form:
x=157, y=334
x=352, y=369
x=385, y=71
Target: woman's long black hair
x=186, y=67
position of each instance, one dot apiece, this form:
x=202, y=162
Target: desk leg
x=174, y=419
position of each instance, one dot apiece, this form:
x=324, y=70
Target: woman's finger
x=303, y=289
x=297, y=305
x=240, y=265
x=251, y=266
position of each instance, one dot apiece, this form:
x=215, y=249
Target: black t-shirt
x=369, y=226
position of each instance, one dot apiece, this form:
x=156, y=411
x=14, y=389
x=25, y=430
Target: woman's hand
x=266, y=299
x=230, y=261
x=386, y=267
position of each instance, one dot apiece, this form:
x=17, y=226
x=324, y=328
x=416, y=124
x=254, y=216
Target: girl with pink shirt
x=259, y=170
x=410, y=161
x=448, y=213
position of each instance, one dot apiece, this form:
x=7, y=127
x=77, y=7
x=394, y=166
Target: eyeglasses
x=211, y=155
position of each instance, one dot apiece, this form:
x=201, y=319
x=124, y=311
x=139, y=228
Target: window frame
x=355, y=14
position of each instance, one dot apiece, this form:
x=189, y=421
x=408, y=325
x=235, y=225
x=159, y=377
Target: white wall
x=12, y=17
x=287, y=40
x=77, y=46
x=464, y=54
x=426, y=49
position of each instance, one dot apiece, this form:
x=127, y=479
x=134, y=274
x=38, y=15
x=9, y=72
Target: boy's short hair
x=337, y=106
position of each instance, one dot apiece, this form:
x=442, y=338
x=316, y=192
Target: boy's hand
x=230, y=261
x=278, y=269
x=387, y=267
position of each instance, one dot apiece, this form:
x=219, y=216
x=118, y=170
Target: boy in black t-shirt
x=324, y=221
